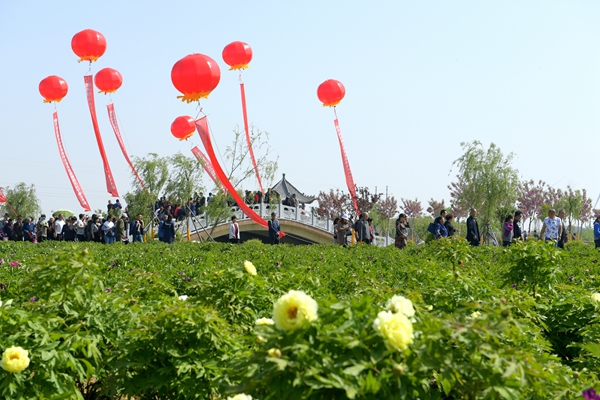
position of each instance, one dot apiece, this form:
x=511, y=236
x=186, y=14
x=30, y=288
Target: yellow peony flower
x=293, y=309
x=240, y=397
x=264, y=321
x=596, y=298
x=400, y=304
x=15, y=359
x=395, y=328
x=250, y=268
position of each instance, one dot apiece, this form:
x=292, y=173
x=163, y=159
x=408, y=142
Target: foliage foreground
x=443, y=321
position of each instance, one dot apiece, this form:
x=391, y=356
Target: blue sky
x=420, y=78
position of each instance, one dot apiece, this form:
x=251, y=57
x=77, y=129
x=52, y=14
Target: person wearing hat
x=274, y=229
x=234, y=231
x=343, y=228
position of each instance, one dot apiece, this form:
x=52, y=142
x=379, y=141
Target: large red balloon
x=89, y=45
x=195, y=75
x=183, y=127
x=237, y=55
x=108, y=80
x=331, y=92
x=53, y=88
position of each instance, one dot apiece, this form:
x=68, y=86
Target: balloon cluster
x=88, y=45
x=197, y=75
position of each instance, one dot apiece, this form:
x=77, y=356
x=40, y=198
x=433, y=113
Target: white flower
x=596, y=298
x=240, y=397
x=264, y=321
x=183, y=297
x=400, y=304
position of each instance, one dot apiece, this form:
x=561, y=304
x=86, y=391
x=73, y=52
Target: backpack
x=431, y=228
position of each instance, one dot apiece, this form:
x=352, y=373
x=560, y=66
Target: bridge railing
x=288, y=213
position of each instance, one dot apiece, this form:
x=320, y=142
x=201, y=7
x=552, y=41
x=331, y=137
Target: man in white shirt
x=552, y=228
x=58, y=227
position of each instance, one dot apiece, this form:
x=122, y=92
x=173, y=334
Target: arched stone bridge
x=300, y=226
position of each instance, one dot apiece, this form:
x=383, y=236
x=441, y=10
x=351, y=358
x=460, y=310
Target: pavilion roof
x=286, y=189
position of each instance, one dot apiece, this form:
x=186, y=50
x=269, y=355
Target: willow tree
x=23, y=199
x=489, y=182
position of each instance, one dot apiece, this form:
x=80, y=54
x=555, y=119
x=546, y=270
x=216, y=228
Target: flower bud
x=275, y=353
x=398, y=370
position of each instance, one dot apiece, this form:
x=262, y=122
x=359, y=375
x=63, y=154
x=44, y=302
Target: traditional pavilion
x=285, y=189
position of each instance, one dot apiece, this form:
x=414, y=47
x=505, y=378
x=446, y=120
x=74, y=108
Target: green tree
x=154, y=172
x=185, y=178
x=237, y=158
x=489, y=181
x=23, y=199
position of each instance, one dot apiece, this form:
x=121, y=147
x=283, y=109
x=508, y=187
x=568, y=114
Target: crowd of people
x=553, y=229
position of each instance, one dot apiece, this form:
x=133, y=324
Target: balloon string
x=200, y=110
x=240, y=78
x=89, y=72
x=335, y=112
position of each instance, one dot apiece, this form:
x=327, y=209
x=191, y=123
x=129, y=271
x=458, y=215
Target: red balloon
x=89, y=45
x=53, y=88
x=108, y=80
x=331, y=92
x=237, y=55
x=195, y=75
x=183, y=127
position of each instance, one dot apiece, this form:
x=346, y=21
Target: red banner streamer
x=347, y=171
x=111, y=187
x=206, y=164
x=248, y=137
x=112, y=117
x=65, y=160
x=202, y=127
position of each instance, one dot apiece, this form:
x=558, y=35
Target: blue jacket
x=28, y=228
x=274, y=228
x=440, y=231
x=596, y=230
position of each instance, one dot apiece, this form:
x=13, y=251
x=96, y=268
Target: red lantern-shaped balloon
x=183, y=127
x=195, y=75
x=53, y=88
x=237, y=55
x=331, y=92
x=108, y=80
x=89, y=45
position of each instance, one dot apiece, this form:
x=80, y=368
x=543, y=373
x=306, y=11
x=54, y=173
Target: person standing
x=517, y=230
x=274, y=229
x=597, y=231
x=7, y=229
x=552, y=227
x=473, y=228
x=120, y=229
x=109, y=230
x=439, y=228
x=42, y=229
x=234, y=231
x=448, y=224
x=336, y=221
x=342, y=228
x=138, y=229
x=169, y=230
x=401, y=231
x=29, y=234
x=508, y=231
x=80, y=227
x=362, y=229
x=564, y=237
x=58, y=227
